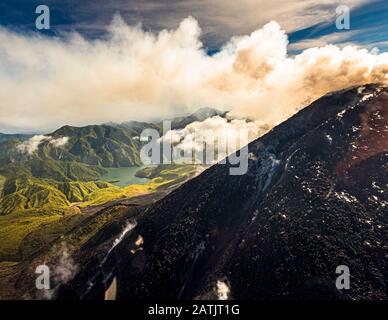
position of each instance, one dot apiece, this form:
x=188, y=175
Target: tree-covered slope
x=24, y=192
x=103, y=145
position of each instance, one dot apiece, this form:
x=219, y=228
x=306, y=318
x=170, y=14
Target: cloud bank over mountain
x=31, y=145
x=133, y=74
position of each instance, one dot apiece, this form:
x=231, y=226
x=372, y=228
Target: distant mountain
x=52, y=176
x=6, y=137
x=200, y=115
x=113, y=145
x=108, y=145
x=179, y=122
x=33, y=171
x=315, y=197
x=136, y=127
x=103, y=145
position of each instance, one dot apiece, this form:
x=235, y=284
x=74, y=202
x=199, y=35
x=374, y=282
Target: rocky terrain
x=314, y=198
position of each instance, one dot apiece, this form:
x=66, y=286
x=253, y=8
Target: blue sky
x=308, y=23
x=369, y=27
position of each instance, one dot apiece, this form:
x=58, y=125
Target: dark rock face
x=315, y=197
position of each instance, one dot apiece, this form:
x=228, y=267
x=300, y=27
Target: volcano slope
x=314, y=198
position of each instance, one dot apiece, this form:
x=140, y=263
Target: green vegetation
x=15, y=227
x=47, y=195
x=2, y=181
x=44, y=194
x=160, y=177
x=107, y=146
x=30, y=232
x=51, y=169
x=6, y=137
x=36, y=211
x=26, y=193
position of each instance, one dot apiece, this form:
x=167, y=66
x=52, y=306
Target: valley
x=305, y=206
x=66, y=193
x=278, y=232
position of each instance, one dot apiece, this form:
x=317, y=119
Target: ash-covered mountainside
x=314, y=198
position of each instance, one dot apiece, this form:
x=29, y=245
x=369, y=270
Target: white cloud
x=212, y=131
x=46, y=82
x=32, y=144
x=60, y=142
x=341, y=39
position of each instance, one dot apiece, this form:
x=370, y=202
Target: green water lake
x=122, y=177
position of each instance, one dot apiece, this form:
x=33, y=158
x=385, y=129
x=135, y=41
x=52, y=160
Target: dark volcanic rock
x=315, y=197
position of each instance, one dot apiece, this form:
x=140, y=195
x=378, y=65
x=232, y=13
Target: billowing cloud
x=341, y=39
x=31, y=145
x=220, y=136
x=132, y=74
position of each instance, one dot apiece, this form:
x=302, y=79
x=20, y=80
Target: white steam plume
x=133, y=74
x=223, y=290
x=63, y=270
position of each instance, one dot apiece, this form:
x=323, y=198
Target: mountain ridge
x=280, y=231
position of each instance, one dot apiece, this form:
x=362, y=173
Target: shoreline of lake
x=123, y=176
